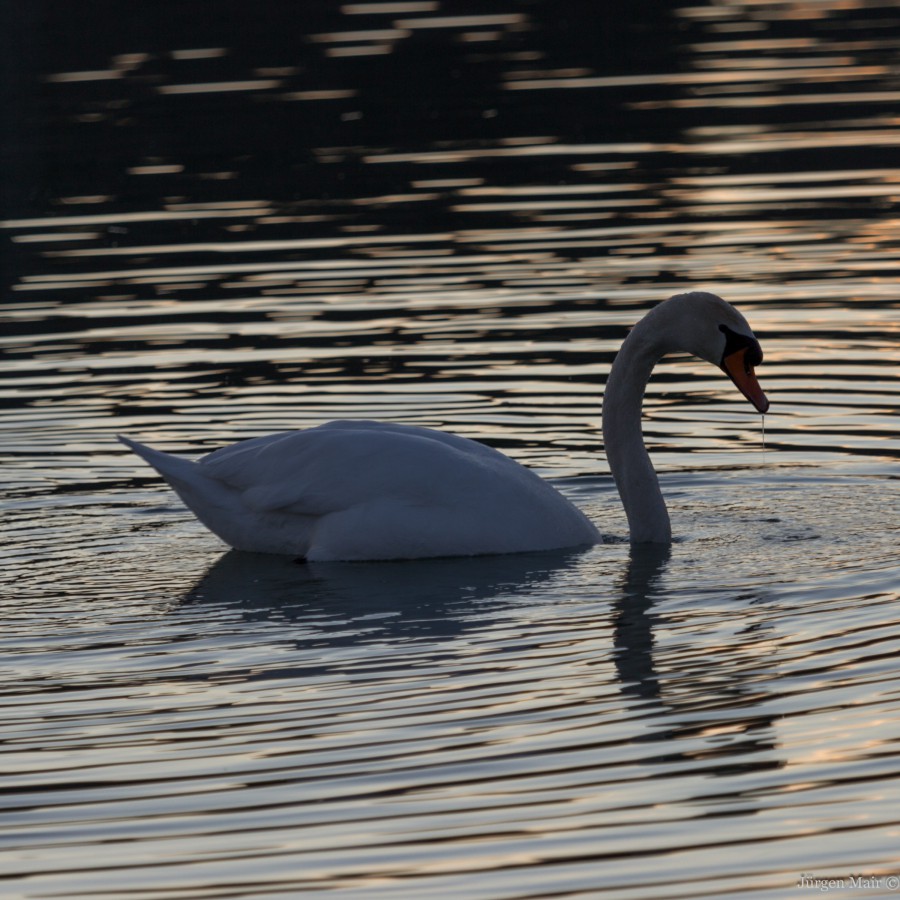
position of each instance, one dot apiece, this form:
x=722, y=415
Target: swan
x=361, y=490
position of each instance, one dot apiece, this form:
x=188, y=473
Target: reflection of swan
x=367, y=490
x=633, y=628
x=703, y=718
x=340, y=602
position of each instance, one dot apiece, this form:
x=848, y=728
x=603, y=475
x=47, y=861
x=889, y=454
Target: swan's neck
x=648, y=519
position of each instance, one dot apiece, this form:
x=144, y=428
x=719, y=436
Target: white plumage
x=369, y=490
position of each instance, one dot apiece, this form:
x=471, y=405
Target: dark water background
x=222, y=219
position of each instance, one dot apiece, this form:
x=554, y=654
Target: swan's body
x=370, y=490
x=366, y=490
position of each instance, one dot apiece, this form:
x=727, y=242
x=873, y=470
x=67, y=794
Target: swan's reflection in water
x=546, y=650
x=709, y=712
x=633, y=634
x=418, y=598
x=426, y=599
x=703, y=716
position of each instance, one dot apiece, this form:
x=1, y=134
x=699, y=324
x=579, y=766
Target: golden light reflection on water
x=586, y=251
x=733, y=704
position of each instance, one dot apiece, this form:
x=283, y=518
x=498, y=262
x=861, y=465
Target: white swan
x=367, y=490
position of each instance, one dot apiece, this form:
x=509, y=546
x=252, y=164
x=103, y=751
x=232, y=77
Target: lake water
x=450, y=214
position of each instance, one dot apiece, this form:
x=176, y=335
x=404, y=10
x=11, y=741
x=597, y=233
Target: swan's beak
x=737, y=367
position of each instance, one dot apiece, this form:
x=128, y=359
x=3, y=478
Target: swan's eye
x=753, y=357
x=735, y=342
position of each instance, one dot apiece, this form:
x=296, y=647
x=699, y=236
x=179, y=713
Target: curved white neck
x=648, y=519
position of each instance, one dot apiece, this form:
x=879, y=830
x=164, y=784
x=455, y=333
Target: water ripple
x=710, y=720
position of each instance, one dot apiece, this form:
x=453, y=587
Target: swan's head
x=706, y=326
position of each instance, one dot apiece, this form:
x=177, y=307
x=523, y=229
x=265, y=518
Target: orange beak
x=736, y=367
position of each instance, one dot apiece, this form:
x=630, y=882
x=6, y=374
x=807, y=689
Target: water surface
x=226, y=226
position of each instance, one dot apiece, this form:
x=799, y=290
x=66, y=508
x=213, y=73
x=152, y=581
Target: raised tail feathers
x=178, y=472
x=201, y=493
x=219, y=505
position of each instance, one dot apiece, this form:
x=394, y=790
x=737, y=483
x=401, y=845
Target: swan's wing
x=341, y=465
x=273, y=473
